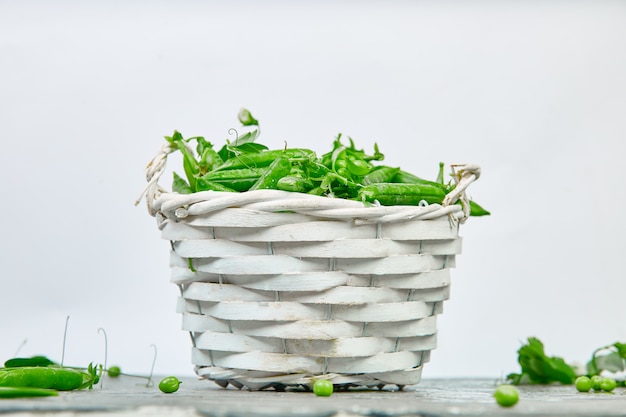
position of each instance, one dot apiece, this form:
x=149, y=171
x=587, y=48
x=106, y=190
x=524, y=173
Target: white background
x=534, y=92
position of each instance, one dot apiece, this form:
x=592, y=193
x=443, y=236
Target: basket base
x=255, y=380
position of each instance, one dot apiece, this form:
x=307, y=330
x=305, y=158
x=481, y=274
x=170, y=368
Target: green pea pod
x=60, y=379
x=477, y=210
x=202, y=184
x=264, y=159
x=392, y=194
x=404, y=177
x=236, y=179
x=317, y=191
x=269, y=179
x=20, y=392
x=237, y=184
x=234, y=174
x=358, y=167
x=295, y=184
x=32, y=361
x=380, y=174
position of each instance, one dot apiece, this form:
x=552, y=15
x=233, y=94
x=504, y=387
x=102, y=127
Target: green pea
x=506, y=395
x=114, y=371
x=583, y=384
x=595, y=382
x=323, y=388
x=169, y=384
x=608, y=384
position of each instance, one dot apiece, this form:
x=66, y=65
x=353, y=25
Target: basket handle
x=464, y=175
x=154, y=170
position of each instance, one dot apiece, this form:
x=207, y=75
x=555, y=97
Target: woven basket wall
x=278, y=288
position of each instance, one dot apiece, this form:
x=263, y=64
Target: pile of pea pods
x=343, y=172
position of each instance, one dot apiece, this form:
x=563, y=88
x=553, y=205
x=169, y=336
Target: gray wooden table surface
x=127, y=396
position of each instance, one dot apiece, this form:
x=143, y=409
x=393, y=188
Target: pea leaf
x=180, y=185
x=440, y=174
x=541, y=368
x=92, y=376
x=209, y=159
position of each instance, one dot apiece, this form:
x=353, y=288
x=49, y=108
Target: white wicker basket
x=280, y=288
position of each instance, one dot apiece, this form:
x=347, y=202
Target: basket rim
x=180, y=206
x=161, y=202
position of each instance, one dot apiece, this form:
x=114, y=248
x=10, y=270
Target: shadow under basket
x=280, y=288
